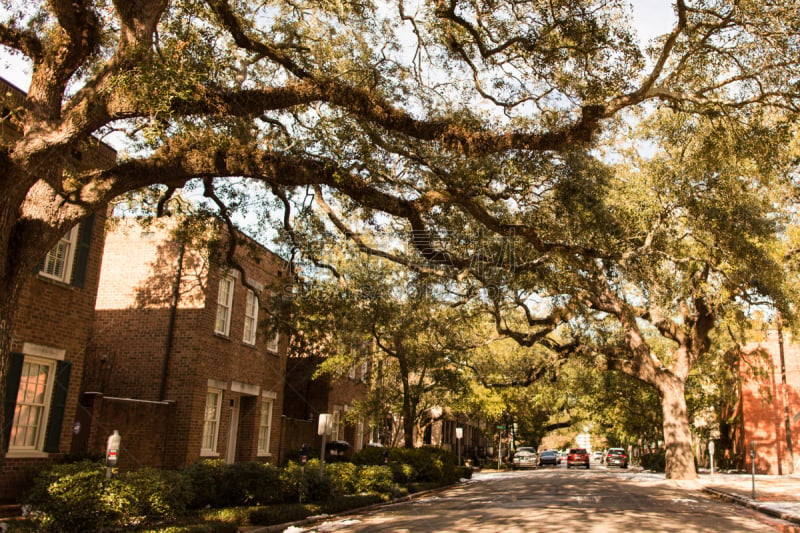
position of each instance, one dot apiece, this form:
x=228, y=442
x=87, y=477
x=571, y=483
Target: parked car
x=617, y=457
x=578, y=456
x=525, y=458
x=597, y=456
x=549, y=457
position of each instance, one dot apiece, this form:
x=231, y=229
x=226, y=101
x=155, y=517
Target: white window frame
x=338, y=422
x=352, y=372
x=274, y=342
x=359, y=443
x=61, y=257
x=250, y=318
x=364, y=370
x=222, y=325
x=265, y=426
x=39, y=402
x=211, y=418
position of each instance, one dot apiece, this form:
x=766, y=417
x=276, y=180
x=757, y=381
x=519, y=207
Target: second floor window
x=250, y=318
x=58, y=262
x=224, y=305
x=274, y=342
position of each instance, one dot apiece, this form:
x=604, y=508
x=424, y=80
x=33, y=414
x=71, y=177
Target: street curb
x=752, y=504
x=319, y=518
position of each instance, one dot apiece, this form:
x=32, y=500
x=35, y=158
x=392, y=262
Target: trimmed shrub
x=374, y=478
x=343, y=477
x=429, y=464
x=369, y=455
x=656, y=461
x=464, y=472
x=71, y=497
x=282, y=514
x=153, y=495
x=205, y=477
x=401, y=472
x=249, y=483
x=315, y=487
x=340, y=504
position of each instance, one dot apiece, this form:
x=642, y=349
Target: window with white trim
x=359, y=443
x=274, y=342
x=364, y=370
x=33, y=405
x=57, y=264
x=265, y=426
x=338, y=423
x=224, y=305
x=250, y=318
x=352, y=372
x=211, y=421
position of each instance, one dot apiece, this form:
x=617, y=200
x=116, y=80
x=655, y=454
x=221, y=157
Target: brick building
x=50, y=338
x=307, y=397
x=181, y=363
x=763, y=415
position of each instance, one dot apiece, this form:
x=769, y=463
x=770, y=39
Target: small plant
x=343, y=477
x=374, y=478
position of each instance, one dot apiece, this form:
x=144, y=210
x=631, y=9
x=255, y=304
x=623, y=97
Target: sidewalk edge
x=273, y=528
x=752, y=504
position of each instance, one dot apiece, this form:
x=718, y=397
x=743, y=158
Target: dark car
x=577, y=456
x=525, y=458
x=549, y=457
x=617, y=457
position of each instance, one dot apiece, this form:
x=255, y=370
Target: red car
x=578, y=456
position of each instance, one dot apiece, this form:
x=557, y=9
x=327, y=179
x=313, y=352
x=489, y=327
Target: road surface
x=556, y=499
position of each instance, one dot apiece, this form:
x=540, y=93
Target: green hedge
x=78, y=497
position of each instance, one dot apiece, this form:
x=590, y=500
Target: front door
x=233, y=432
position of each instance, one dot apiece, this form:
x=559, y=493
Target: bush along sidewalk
x=211, y=496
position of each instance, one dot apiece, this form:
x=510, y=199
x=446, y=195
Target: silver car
x=525, y=457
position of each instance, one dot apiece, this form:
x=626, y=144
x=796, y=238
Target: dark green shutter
x=57, y=407
x=82, y=251
x=12, y=387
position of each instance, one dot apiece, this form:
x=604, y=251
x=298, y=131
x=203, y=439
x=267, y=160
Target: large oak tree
x=413, y=110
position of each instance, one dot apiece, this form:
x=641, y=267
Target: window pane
x=31, y=406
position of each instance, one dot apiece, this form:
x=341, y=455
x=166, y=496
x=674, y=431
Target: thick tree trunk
x=677, y=433
x=8, y=310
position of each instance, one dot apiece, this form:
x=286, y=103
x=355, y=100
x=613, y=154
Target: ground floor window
x=211, y=422
x=32, y=405
x=265, y=426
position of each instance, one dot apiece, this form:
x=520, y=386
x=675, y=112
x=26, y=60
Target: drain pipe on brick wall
x=173, y=311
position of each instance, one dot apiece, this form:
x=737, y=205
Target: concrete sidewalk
x=777, y=496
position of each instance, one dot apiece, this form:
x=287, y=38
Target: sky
x=651, y=18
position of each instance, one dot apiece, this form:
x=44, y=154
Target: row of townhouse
x=134, y=330
x=129, y=327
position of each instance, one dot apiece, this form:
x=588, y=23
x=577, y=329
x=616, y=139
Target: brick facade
x=306, y=398
x=147, y=349
x=763, y=408
x=52, y=330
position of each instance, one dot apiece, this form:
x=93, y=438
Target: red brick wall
x=131, y=336
x=764, y=420
x=143, y=426
x=56, y=315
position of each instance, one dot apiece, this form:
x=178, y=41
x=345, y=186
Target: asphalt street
x=556, y=499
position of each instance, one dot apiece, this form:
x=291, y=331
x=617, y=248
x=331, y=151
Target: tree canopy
x=438, y=122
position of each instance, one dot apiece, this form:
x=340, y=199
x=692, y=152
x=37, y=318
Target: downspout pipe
x=173, y=311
